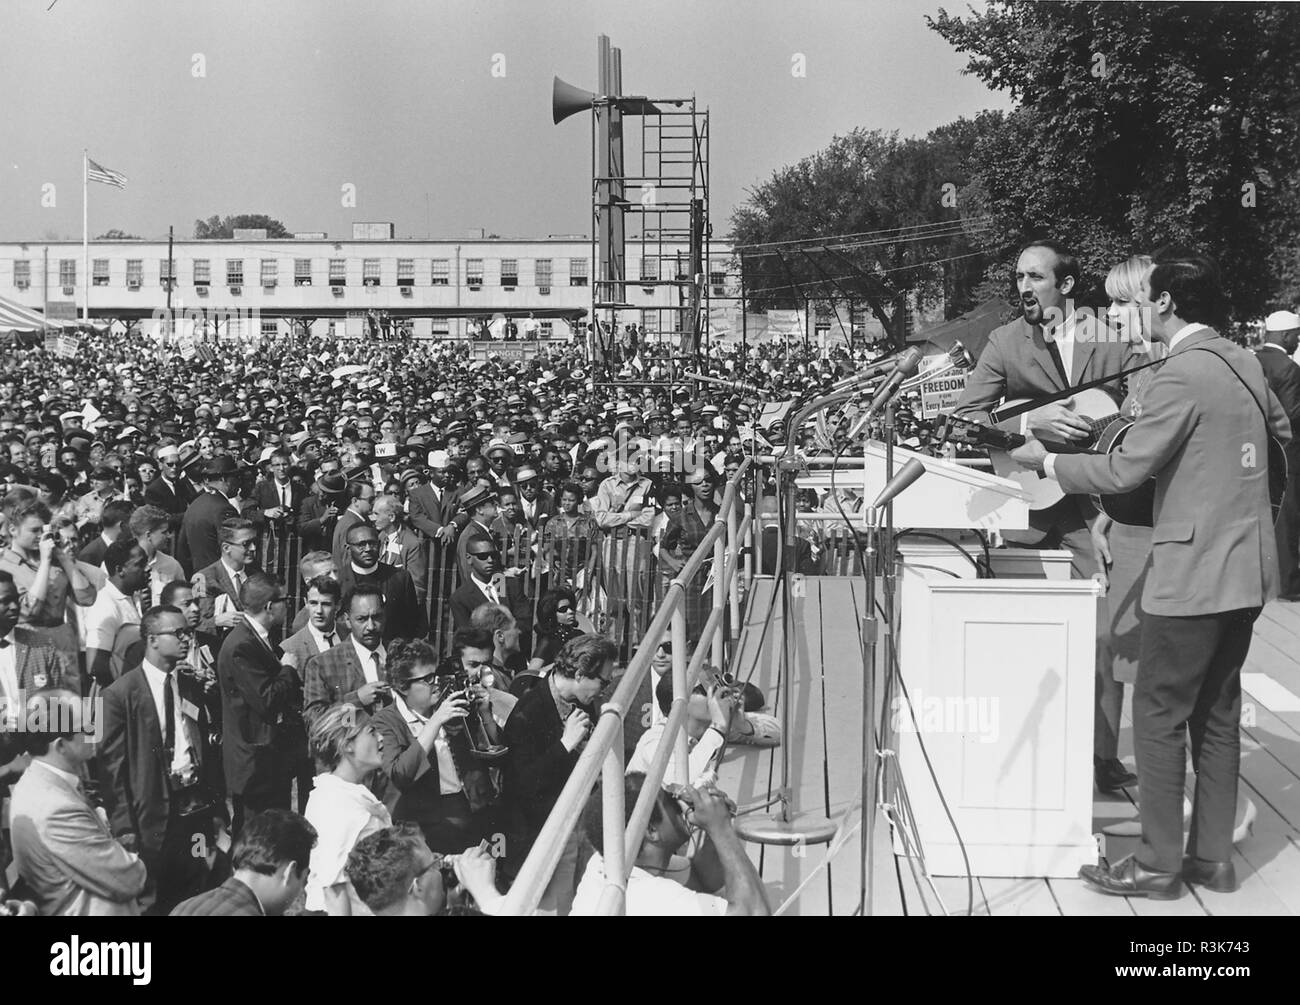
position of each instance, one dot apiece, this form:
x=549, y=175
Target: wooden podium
x=999, y=676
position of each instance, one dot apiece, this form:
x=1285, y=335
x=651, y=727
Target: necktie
x=379, y=667
x=169, y=719
x=239, y=584
x=284, y=496
x=329, y=640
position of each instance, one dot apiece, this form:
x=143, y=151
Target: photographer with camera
x=397, y=876
x=435, y=779
x=721, y=863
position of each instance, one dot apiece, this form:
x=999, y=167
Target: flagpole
x=85, y=237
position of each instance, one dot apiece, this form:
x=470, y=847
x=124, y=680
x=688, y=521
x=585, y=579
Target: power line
x=980, y=221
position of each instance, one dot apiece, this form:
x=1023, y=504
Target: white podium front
x=1000, y=678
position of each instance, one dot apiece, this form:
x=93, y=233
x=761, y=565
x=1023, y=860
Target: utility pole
x=171, y=280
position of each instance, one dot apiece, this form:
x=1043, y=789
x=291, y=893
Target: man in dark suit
x=160, y=782
x=535, y=506
x=353, y=671
x=270, y=861
x=486, y=585
x=480, y=503
x=1281, y=338
x=111, y=520
x=361, y=495
x=1203, y=435
x=255, y=693
x=277, y=498
x=545, y=733
x=1045, y=351
x=321, y=508
x=403, y=615
x=429, y=507
x=400, y=546
x=219, y=606
x=198, y=545
x=171, y=491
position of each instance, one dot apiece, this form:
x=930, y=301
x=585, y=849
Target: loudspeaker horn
x=568, y=100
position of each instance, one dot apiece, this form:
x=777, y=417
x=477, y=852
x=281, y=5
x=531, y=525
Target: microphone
x=960, y=356
x=905, y=476
x=735, y=385
x=906, y=365
x=877, y=368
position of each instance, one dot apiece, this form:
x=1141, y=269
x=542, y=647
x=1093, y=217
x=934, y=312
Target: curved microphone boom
x=735, y=385
x=906, y=366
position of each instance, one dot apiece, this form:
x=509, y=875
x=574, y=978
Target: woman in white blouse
x=341, y=808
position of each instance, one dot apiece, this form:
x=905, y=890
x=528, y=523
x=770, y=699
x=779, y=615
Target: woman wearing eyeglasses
x=349, y=751
x=557, y=622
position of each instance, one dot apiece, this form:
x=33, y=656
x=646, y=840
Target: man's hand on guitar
x=1030, y=454
x=1058, y=421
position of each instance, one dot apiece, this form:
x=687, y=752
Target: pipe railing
x=603, y=755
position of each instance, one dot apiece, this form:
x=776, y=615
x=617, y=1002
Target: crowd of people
x=192, y=725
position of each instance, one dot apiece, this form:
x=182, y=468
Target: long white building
x=446, y=288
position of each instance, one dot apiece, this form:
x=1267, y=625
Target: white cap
x=1282, y=321
x=437, y=459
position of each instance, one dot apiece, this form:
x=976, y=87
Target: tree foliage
x=866, y=183
x=1141, y=124
x=219, y=227
x=117, y=235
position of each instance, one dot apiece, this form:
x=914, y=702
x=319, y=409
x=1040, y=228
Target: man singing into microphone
x=1044, y=352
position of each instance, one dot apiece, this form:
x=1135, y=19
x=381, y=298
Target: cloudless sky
x=397, y=97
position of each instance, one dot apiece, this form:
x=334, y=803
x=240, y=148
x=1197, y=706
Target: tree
x=117, y=235
x=872, y=184
x=217, y=227
x=1139, y=125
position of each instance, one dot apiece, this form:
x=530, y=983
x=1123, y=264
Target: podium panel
x=1000, y=679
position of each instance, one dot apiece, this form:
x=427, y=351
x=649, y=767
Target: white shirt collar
x=364, y=572
x=364, y=654
x=67, y=776
x=1183, y=332
x=413, y=718
x=262, y=632
x=230, y=569
x=1272, y=345
x=319, y=636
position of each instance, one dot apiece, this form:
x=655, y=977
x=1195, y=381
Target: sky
x=436, y=111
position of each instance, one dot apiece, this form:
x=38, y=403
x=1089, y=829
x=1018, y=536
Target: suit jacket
x=469, y=597
x=93, y=553
x=66, y=854
x=232, y=899
x=132, y=762
x=536, y=768
x=197, y=545
x=543, y=507
x=339, y=545
x=315, y=526
x=173, y=502
x=403, y=615
x=1203, y=439
x=413, y=792
x=426, y=511
x=1016, y=363
x=266, y=496
x=332, y=677
x=471, y=530
x=403, y=548
x=1283, y=378
x=255, y=693
x=219, y=584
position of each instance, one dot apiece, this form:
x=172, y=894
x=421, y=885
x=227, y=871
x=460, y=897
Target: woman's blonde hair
x=1124, y=281
x=335, y=728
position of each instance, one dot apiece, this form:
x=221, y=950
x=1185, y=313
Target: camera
x=481, y=746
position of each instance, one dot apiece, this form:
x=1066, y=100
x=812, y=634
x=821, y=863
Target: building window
x=406, y=272
x=302, y=272
x=202, y=272
x=99, y=272
x=270, y=328
x=718, y=279
x=509, y=272
x=542, y=270
x=577, y=272
x=22, y=273
x=134, y=272
x=234, y=272
x=330, y=329
x=270, y=271
x=439, y=272
x=338, y=272
x=649, y=269
x=67, y=272
x=165, y=274
x=441, y=328
x=370, y=272
x=473, y=272
x=546, y=330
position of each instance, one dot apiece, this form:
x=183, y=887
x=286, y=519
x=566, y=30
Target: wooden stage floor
x=827, y=715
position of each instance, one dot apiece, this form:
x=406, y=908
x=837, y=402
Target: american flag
x=95, y=172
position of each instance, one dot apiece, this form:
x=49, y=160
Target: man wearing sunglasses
x=158, y=775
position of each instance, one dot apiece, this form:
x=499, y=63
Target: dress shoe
x=1221, y=877
x=1112, y=776
x=1130, y=878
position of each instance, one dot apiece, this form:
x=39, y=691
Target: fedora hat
x=475, y=496
x=220, y=466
